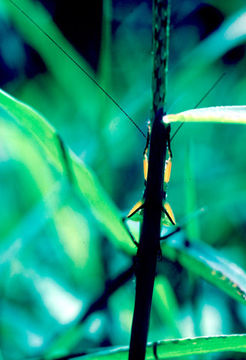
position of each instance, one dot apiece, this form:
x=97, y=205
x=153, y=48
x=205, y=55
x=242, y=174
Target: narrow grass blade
x=209, y=264
x=216, y=114
x=167, y=349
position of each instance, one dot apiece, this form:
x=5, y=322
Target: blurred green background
x=55, y=265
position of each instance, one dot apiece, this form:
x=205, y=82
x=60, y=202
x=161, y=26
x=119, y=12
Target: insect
x=168, y=217
x=136, y=213
x=167, y=172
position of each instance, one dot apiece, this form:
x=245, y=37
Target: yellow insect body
x=136, y=213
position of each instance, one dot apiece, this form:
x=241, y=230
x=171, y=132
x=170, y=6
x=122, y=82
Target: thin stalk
x=149, y=243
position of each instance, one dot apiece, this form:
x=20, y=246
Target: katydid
x=136, y=213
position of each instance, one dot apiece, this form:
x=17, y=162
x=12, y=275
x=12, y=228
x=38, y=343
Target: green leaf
x=217, y=114
x=66, y=163
x=176, y=348
x=197, y=345
x=207, y=263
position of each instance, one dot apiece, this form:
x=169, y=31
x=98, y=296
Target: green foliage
x=61, y=237
x=207, y=263
x=176, y=348
x=80, y=177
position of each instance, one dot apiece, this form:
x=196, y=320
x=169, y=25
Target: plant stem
x=149, y=243
x=161, y=29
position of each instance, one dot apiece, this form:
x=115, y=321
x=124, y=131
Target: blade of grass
x=167, y=349
x=206, y=262
x=86, y=183
x=216, y=114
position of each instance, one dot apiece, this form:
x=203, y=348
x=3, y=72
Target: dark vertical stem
x=161, y=29
x=149, y=243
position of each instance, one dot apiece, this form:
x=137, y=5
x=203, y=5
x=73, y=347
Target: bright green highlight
x=217, y=114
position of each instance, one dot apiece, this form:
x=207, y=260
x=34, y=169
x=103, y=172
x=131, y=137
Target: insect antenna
x=106, y=93
x=200, y=101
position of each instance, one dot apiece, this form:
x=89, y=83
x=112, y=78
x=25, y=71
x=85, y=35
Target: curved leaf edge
x=85, y=181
